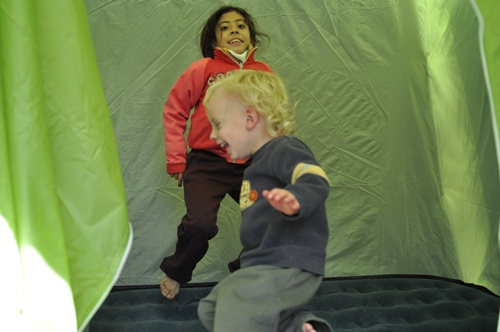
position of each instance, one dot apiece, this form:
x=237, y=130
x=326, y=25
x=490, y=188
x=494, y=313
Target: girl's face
x=229, y=126
x=232, y=32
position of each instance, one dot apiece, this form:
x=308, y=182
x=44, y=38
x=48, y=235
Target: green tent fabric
x=394, y=102
x=397, y=100
x=488, y=13
x=64, y=230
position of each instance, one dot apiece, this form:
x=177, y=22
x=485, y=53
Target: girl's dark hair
x=208, y=38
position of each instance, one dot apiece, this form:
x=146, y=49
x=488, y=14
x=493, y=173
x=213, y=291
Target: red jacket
x=188, y=92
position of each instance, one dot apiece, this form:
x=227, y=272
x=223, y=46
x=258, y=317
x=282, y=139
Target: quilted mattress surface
x=349, y=304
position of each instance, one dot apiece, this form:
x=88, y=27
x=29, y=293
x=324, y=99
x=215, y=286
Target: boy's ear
x=252, y=117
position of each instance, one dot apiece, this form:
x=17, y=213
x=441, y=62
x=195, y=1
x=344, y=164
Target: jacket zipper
x=239, y=62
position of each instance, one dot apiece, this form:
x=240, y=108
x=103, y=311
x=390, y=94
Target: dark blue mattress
x=388, y=303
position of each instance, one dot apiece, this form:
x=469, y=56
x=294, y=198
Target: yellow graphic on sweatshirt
x=303, y=168
x=247, y=195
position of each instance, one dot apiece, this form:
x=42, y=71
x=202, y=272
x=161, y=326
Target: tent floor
x=375, y=303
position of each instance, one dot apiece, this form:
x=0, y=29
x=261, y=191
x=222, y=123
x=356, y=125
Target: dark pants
x=207, y=180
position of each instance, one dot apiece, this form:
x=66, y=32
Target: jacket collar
x=223, y=54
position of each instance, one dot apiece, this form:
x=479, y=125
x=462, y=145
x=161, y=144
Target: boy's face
x=232, y=32
x=227, y=115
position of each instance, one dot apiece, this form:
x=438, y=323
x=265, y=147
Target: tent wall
x=393, y=101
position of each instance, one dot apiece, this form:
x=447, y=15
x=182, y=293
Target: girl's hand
x=178, y=177
x=282, y=200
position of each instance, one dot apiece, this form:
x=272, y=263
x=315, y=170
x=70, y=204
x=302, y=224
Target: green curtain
x=64, y=230
x=489, y=13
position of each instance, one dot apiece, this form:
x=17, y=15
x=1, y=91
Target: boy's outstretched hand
x=282, y=200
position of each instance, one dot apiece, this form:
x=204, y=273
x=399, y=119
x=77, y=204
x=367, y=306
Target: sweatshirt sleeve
x=303, y=176
x=184, y=95
x=310, y=187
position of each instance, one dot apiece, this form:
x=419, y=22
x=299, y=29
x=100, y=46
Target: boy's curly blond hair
x=265, y=93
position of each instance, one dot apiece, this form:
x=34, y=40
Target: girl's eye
x=242, y=26
x=223, y=28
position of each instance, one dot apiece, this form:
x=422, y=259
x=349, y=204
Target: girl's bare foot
x=308, y=328
x=169, y=287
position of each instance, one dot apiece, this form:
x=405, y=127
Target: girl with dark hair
x=208, y=35
x=228, y=41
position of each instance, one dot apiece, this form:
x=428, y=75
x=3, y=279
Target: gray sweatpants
x=261, y=298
